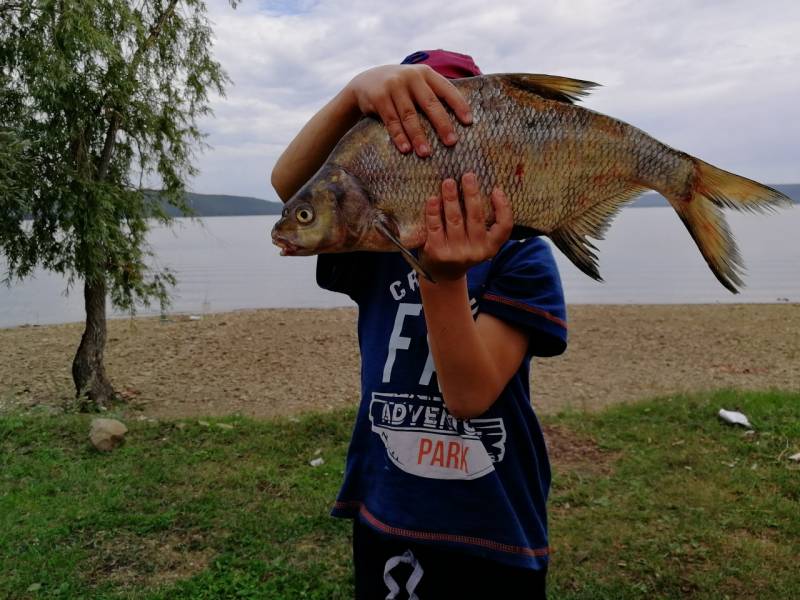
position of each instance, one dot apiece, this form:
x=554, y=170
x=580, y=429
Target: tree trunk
x=92, y=387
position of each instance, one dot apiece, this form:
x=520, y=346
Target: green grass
x=674, y=504
x=692, y=507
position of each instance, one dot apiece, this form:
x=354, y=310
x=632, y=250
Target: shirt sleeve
x=345, y=273
x=524, y=288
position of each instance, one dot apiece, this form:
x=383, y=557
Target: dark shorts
x=387, y=568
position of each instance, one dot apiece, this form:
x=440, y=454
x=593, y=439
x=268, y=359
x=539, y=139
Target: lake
x=228, y=263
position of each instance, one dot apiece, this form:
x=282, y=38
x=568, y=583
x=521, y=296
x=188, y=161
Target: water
x=228, y=263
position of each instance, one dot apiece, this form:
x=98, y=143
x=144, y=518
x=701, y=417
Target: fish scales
x=565, y=169
x=514, y=146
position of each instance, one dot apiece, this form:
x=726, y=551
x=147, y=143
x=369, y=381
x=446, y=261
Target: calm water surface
x=228, y=263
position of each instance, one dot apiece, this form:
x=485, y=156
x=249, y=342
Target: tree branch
x=9, y=7
x=155, y=31
x=116, y=120
x=108, y=146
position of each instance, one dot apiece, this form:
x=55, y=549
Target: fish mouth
x=288, y=248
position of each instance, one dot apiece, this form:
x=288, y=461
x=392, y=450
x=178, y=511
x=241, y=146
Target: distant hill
x=653, y=199
x=221, y=205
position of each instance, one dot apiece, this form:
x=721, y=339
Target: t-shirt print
x=423, y=439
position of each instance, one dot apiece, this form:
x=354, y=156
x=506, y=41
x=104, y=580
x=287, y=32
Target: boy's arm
x=474, y=359
x=393, y=93
x=308, y=150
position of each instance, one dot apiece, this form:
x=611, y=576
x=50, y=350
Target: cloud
x=716, y=79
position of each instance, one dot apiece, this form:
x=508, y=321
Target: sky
x=717, y=79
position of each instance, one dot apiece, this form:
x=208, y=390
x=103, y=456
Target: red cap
x=448, y=64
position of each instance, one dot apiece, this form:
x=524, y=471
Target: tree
x=97, y=97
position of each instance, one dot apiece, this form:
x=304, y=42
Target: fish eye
x=304, y=215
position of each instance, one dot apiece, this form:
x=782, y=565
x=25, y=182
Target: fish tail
x=700, y=210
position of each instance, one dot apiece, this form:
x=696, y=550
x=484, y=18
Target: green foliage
x=13, y=171
x=680, y=506
x=98, y=96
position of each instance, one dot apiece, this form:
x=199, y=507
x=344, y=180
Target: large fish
x=565, y=169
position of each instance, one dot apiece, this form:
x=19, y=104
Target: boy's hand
x=393, y=92
x=460, y=240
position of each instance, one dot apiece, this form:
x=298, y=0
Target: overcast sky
x=717, y=79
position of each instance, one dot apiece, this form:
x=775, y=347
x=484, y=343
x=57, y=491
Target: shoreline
x=185, y=315
x=278, y=362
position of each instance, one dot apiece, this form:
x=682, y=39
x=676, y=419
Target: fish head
x=330, y=213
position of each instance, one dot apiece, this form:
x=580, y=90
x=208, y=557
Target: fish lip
x=287, y=247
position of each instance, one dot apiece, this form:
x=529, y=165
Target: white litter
x=195, y=318
x=733, y=417
x=317, y=462
x=795, y=457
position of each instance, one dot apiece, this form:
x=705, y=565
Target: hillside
x=221, y=205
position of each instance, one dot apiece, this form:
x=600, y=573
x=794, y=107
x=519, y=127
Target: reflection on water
x=227, y=263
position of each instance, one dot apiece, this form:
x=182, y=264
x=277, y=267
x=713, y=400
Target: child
x=447, y=473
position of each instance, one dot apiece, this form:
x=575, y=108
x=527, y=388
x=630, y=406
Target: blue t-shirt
x=413, y=471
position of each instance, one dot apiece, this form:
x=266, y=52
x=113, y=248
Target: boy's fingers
x=391, y=120
x=473, y=207
x=504, y=220
x=453, y=219
x=433, y=223
x=427, y=100
x=450, y=94
x=409, y=119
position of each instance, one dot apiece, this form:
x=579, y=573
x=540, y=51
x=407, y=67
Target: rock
x=107, y=434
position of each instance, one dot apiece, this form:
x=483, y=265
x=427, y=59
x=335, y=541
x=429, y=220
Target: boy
x=447, y=473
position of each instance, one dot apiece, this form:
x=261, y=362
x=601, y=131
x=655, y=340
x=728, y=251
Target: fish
x=566, y=170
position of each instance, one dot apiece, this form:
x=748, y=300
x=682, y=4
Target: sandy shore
x=276, y=362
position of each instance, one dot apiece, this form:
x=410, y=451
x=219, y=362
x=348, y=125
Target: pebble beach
x=279, y=362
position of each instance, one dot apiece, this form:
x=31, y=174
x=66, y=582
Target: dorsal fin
x=552, y=87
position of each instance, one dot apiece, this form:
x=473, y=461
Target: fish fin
x=713, y=189
x=578, y=249
x=417, y=266
x=572, y=237
x=552, y=87
x=386, y=225
x=728, y=190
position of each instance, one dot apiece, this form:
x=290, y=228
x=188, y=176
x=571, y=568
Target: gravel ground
x=265, y=363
